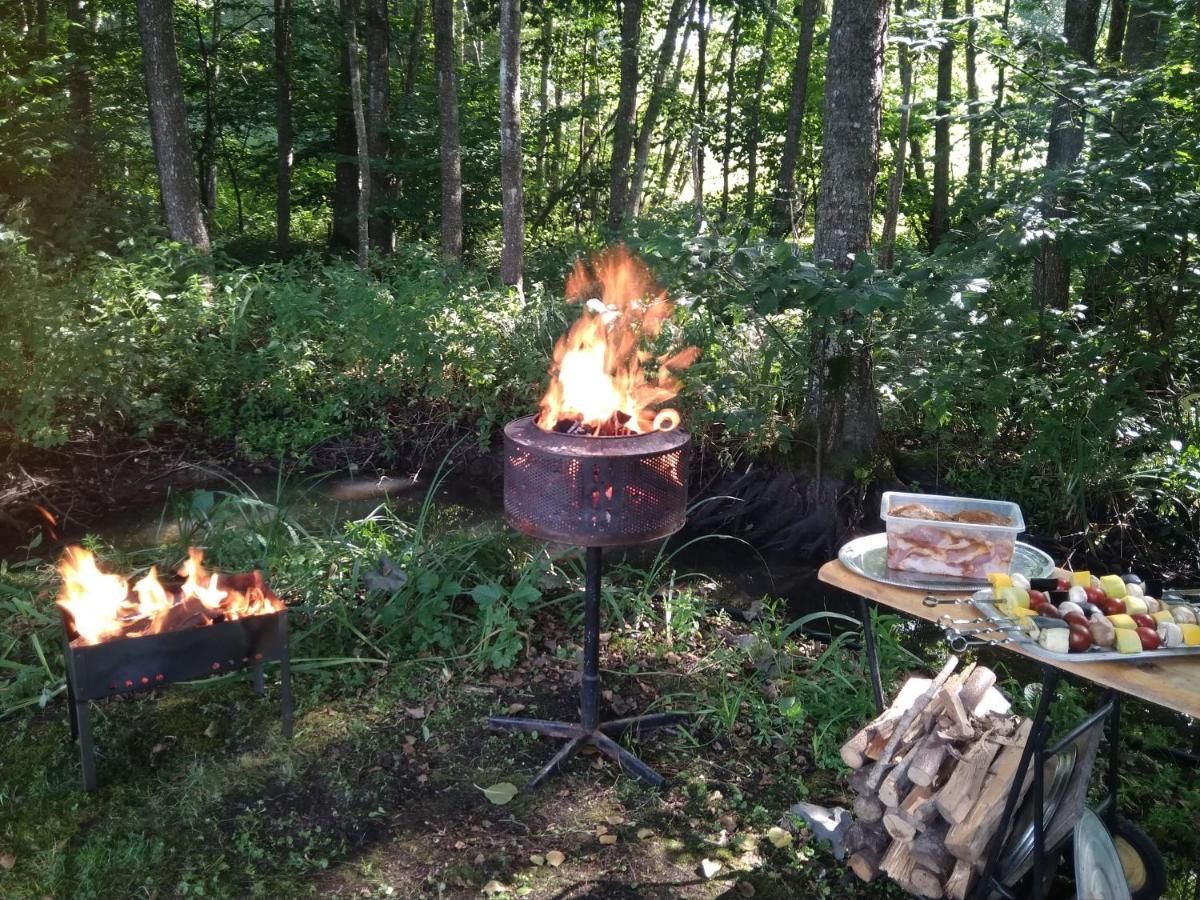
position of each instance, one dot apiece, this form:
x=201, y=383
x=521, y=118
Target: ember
x=101, y=607
x=600, y=384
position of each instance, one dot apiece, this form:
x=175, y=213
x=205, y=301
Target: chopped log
x=900, y=825
x=976, y=686
x=854, y=750
x=925, y=883
x=958, y=885
x=895, y=786
x=969, y=838
x=960, y=792
x=876, y=746
x=898, y=863
x=906, y=720
x=929, y=851
x=865, y=864
x=993, y=703
x=957, y=722
x=858, y=781
x=927, y=761
x=920, y=804
x=867, y=808
x=869, y=837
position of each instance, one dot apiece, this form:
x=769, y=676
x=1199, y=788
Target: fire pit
x=121, y=640
x=600, y=466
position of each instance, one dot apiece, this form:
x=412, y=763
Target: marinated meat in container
x=959, y=537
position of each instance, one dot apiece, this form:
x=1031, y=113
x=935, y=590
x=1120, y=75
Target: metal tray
x=1019, y=850
x=1098, y=871
x=868, y=557
x=983, y=602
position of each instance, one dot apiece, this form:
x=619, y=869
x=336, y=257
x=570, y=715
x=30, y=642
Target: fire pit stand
x=597, y=492
x=131, y=664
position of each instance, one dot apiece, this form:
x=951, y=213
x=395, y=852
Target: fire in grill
x=601, y=466
x=122, y=640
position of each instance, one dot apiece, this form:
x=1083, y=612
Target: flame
x=598, y=382
x=102, y=607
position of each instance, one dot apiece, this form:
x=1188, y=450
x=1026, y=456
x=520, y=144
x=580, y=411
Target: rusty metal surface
x=594, y=491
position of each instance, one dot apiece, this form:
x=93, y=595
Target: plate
x=868, y=557
x=982, y=601
x=1098, y=872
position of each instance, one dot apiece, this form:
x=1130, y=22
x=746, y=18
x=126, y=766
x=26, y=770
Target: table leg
x=872, y=654
x=1114, y=762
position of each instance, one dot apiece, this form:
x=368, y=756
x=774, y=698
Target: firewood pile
x=931, y=775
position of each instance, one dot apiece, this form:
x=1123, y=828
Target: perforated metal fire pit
x=597, y=492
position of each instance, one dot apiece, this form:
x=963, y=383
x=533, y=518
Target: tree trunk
x=891, y=215
x=1118, y=17
x=654, y=104
x=513, y=199
x=730, y=90
x=211, y=135
x=547, y=39
x=1143, y=36
x=42, y=34
x=974, y=122
x=350, y=13
x=378, y=41
x=626, y=122
x=841, y=408
x=1051, y=270
x=939, y=213
x=673, y=141
x=416, y=40
x=168, y=124
x=699, y=142
x=344, y=231
x=753, y=135
x=785, y=192
x=79, y=83
x=998, y=104
x=450, y=150
x=283, y=128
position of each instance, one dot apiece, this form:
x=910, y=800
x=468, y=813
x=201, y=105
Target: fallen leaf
x=555, y=858
x=601, y=830
x=459, y=845
x=7, y=861
x=513, y=708
x=500, y=793
x=417, y=712
x=212, y=729
x=614, y=820
x=537, y=859
x=779, y=837
x=746, y=889
x=709, y=867
x=644, y=833
x=608, y=838
x=493, y=887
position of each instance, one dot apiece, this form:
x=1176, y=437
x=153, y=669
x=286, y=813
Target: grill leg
x=591, y=730
x=74, y=713
x=258, y=679
x=87, y=753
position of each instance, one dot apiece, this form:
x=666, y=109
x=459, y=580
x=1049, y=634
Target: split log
x=976, y=686
x=900, y=825
x=968, y=839
x=899, y=864
x=993, y=703
x=854, y=751
x=958, y=885
x=960, y=792
x=906, y=720
x=865, y=864
x=927, y=761
x=920, y=805
x=930, y=853
x=895, y=786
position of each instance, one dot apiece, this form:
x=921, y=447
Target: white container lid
x=950, y=506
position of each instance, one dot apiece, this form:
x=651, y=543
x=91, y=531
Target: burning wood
x=599, y=381
x=102, y=607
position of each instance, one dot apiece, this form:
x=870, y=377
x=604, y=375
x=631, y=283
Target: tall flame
x=598, y=380
x=102, y=606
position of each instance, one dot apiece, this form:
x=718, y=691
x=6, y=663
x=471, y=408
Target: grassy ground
x=381, y=791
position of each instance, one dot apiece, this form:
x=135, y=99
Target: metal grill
x=594, y=491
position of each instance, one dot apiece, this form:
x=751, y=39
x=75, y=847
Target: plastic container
x=947, y=547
